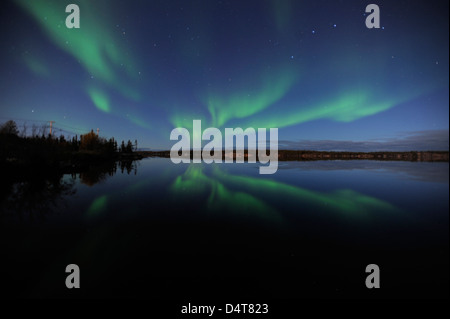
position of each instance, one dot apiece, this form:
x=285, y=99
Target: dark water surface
x=159, y=230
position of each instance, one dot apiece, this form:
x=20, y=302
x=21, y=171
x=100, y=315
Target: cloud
x=431, y=140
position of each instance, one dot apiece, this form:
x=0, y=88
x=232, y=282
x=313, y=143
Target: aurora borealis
x=138, y=69
x=199, y=214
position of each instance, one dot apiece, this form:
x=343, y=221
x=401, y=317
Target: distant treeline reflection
x=31, y=197
x=97, y=174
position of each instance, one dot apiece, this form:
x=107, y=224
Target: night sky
x=138, y=69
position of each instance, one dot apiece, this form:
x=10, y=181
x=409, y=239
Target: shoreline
x=304, y=155
x=79, y=162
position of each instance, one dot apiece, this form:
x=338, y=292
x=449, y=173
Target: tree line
x=48, y=147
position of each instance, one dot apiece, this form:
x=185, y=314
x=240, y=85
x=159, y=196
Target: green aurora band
x=261, y=97
x=98, y=206
x=93, y=45
x=195, y=182
x=345, y=201
x=343, y=108
x=100, y=100
x=244, y=104
x=264, y=106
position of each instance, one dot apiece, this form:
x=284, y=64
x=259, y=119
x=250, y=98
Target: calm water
x=155, y=229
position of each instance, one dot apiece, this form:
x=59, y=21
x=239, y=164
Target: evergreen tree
x=129, y=147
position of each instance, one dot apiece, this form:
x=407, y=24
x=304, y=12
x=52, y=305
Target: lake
x=157, y=230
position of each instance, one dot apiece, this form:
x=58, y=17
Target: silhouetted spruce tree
x=129, y=147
